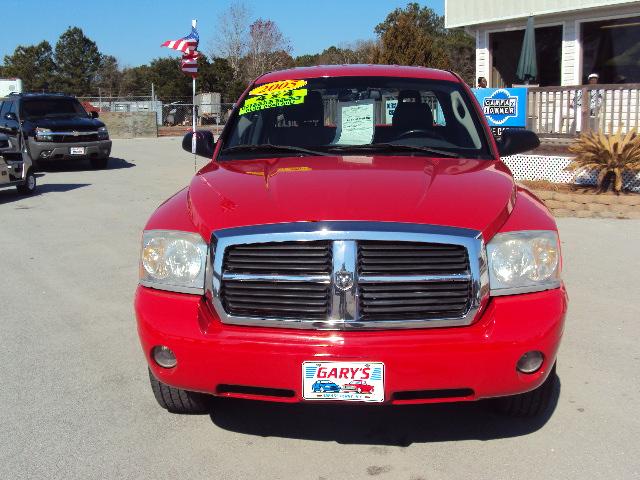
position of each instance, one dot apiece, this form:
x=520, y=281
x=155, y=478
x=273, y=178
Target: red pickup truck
x=355, y=223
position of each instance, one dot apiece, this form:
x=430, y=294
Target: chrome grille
x=279, y=258
x=276, y=299
x=78, y=138
x=257, y=284
x=382, y=301
x=410, y=258
x=402, y=299
x=348, y=275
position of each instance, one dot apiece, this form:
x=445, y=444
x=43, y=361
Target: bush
x=610, y=155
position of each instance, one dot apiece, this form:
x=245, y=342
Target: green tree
x=307, y=60
x=218, y=76
x=461, y=51
x=414, y=35
x=77, y=60
x=134, y=81
x=167, y=76
x=33, y=64
x=109, y=76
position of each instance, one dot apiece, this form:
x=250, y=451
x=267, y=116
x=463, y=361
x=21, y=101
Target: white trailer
x=209, y=107
x=10, y=85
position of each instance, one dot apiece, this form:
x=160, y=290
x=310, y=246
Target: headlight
x=525, y=261
x=103, y=134
x=173, y=260
x=44, y=135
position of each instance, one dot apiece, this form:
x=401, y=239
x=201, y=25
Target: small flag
x=186, y=44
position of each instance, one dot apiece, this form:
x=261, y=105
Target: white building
x=573, y=38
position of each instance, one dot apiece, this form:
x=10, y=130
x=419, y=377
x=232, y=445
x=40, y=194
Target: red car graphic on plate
x=360, y=386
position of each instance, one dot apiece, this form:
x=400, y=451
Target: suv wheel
x=530, y=404
x=99, y=163
x=176, y=400
x=29, y=185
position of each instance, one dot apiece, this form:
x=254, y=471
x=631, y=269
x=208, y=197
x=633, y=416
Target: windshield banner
x=281, y=98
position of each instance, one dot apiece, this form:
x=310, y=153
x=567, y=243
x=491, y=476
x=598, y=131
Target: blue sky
x=133, y=30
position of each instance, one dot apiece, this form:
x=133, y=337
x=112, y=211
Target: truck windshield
x=356, y=115
x=51, y=107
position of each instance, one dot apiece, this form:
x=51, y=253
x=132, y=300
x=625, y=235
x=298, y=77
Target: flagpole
x=193, y=104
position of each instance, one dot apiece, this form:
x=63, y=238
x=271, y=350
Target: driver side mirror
x=205, y=143
x=11, y=116
x=517, y=141
x=94, y=114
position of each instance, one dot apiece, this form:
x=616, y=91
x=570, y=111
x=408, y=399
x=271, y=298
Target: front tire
x=176, y=400
x=29, y=185
x=530, y=404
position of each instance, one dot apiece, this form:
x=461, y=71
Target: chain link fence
x=172, y=115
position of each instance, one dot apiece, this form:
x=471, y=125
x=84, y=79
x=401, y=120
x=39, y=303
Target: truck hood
x=67, y=123
x=475, y=194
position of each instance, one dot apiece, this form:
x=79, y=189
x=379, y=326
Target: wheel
x=176, y=400
x=359, y=390
x=529, y=404
x=29, y=185
x=99, y=163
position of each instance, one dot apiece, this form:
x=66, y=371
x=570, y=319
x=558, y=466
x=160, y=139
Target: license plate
x=77, y=150
x=350, y=381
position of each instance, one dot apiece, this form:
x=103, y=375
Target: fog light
x=45, y=153
x=164, y=356
x=530, y=362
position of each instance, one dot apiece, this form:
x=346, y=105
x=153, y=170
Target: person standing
x=482, y=82
x=595, y=101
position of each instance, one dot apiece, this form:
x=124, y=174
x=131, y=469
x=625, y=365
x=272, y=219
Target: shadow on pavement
x=374, y=425
x=11, y=195
x=115, y=163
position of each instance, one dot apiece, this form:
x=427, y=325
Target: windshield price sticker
x=282, y=86
x=276, y=99
x=355, y=123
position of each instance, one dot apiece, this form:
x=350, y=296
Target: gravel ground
x=75, y=400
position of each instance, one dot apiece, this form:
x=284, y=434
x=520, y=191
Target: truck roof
x=358, y=71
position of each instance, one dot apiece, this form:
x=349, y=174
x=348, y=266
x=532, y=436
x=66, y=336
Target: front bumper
x=62, y=151
x=465, y=363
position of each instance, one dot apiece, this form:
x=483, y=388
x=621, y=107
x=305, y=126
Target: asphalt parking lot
x=75, y=401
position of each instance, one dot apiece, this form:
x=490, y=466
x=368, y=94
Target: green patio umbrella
x=527, y=65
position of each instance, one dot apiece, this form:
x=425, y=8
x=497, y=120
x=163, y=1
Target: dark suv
x=52, y=127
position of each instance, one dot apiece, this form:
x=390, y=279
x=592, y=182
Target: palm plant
x=610, y=155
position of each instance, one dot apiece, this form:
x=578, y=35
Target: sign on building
x=503, y=107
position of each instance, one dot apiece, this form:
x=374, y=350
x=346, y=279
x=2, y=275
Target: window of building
x=506, y=48
x=611, y=48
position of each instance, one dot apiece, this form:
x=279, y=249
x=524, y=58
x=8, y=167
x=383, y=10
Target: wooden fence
x=568, y=111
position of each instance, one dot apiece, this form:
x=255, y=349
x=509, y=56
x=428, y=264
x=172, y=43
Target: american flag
x=186, y=44
x=190, y=62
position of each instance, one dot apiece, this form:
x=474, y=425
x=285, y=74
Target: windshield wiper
x=393, y=146
x=267, y=147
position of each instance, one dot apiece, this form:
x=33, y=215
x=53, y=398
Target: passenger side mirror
x=94, y=114
x=205, y=143
x=515, y=141
x=10, y=116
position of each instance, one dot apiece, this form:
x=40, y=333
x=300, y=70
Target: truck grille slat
x=263, y=288
x=420, y=288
